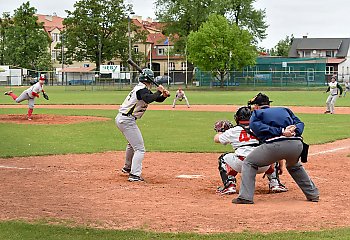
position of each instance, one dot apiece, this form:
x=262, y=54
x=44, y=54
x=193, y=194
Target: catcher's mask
x=143, y=76
x=242, y=115
x=260, y=100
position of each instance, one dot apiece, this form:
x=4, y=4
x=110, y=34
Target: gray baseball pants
x=135, y=149
x=269, y=153
x=24, y=96
x=331, y=102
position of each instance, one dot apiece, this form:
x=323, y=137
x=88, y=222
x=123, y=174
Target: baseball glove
x=222, y=125
x=45, y=96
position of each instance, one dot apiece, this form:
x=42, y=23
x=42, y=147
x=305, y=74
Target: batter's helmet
x=146, y=72
x=260, y=99
x=243, y=115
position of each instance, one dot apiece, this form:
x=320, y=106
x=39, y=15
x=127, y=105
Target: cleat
x=7, y=93
x=327, y=112
x=231, y=189
x=126, y=170
x=242, y=201
x=276, y=187
x=314, y=199
x=134, y=178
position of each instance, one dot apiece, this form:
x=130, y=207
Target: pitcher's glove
x=222, y=125
x=45, y=96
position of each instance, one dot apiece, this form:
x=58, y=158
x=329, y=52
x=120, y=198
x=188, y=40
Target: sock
x=13, y=96
x=30, y=112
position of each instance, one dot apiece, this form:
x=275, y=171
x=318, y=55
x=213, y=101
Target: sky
x=312, y=18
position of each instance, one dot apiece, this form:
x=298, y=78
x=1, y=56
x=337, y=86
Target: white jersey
x=333, y=90
x=180, y=94
x=37, y=88
x=241, y=141
x=132, y=105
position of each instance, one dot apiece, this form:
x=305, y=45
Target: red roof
x=50, y=22
x=335, y=60
x=77, y=69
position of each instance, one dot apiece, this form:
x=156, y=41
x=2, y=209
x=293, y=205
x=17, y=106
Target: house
x=335, y=51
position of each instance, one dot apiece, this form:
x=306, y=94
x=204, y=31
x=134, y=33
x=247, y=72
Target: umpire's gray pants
x=269, y=153
x=135, y=149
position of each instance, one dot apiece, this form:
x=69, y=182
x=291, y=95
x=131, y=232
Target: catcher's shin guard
x=227, y=175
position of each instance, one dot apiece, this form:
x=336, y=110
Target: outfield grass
x=59, y=95
x=168, y=131
x=11, y=230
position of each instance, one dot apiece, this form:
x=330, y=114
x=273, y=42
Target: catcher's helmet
x=146, y=72
x=243, y=115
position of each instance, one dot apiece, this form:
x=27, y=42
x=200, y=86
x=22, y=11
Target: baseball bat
x=139, y=69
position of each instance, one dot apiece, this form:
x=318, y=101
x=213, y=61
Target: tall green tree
x=183, y=16
x=97, y=31
x=283, y=46
x=5, y=23
x=219, y=46
x=27, y=43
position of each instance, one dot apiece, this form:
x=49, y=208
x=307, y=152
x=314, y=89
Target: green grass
x=169, y=131
x=11, y=230
x=60, y=95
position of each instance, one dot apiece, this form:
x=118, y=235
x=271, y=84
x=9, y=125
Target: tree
x=283, y=46
x=27, y=43
x=5, y=23
x=219, y=47
x=183, y=16
x=97, y=31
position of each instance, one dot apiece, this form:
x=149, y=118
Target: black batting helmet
x=143, y=76
x=242, y=115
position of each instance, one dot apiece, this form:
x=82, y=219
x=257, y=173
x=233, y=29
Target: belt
x=241, y=158
x=128, y=115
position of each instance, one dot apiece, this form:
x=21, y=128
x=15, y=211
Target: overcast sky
x=314, y=18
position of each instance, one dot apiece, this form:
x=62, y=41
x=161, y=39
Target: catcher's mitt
x=222, y=125
x=45, y=96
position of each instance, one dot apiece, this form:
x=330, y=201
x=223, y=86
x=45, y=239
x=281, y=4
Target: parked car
x=163, y=79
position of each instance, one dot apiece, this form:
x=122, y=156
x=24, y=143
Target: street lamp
x=129, y=20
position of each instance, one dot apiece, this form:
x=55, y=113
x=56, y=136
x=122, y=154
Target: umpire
x=280, y=131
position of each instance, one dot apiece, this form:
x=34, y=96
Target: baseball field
x=60, y=173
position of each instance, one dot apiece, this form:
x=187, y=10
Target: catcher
x=30, y=94
x=243, y=142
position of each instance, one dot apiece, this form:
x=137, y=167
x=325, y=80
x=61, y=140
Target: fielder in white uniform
x=179, y=96
x=347, y=87
x=334, y=90
x=29, y=94
x=243, y=142
x=133, y=108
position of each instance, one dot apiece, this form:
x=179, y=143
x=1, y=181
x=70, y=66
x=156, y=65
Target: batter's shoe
x=231, y=189
x=126, y=170
x=8, y=93
x=134, y=178
x=314, y=199
x=327, y=112
x=276, y=187
x=242, y=201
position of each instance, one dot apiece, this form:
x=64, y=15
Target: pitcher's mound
x=48, y=119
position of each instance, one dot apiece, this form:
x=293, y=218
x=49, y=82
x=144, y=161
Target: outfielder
x=133, y=108
x=280, y=131
x=30, y=94
x=180, y=95
x=243, y=142
x=334, y=90
x=347, y=87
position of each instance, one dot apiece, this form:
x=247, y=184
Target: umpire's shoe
x=242, y=201
x=134, y=178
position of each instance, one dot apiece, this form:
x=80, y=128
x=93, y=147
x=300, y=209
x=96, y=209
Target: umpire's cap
x=260, y=100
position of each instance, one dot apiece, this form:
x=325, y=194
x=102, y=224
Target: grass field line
x=36, y=169
x=328, y=151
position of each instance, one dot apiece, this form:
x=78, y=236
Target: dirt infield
x=46, y=119
x=90, y=189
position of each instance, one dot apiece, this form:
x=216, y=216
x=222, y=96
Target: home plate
x=189, y=176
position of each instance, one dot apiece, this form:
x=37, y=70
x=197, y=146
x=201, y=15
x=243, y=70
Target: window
x=161, y=52
x=329, y=53
x=307, y=53
x=122, y=68
x=136, y=49
x=183, y=66
x=55, y=37
x=171, y=66
x=55, y=54
x=329, y=69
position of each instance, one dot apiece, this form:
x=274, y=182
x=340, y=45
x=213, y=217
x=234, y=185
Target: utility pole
x=62, y=56
x=130, y=57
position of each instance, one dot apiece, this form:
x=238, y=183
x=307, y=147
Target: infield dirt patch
x=90, y=189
